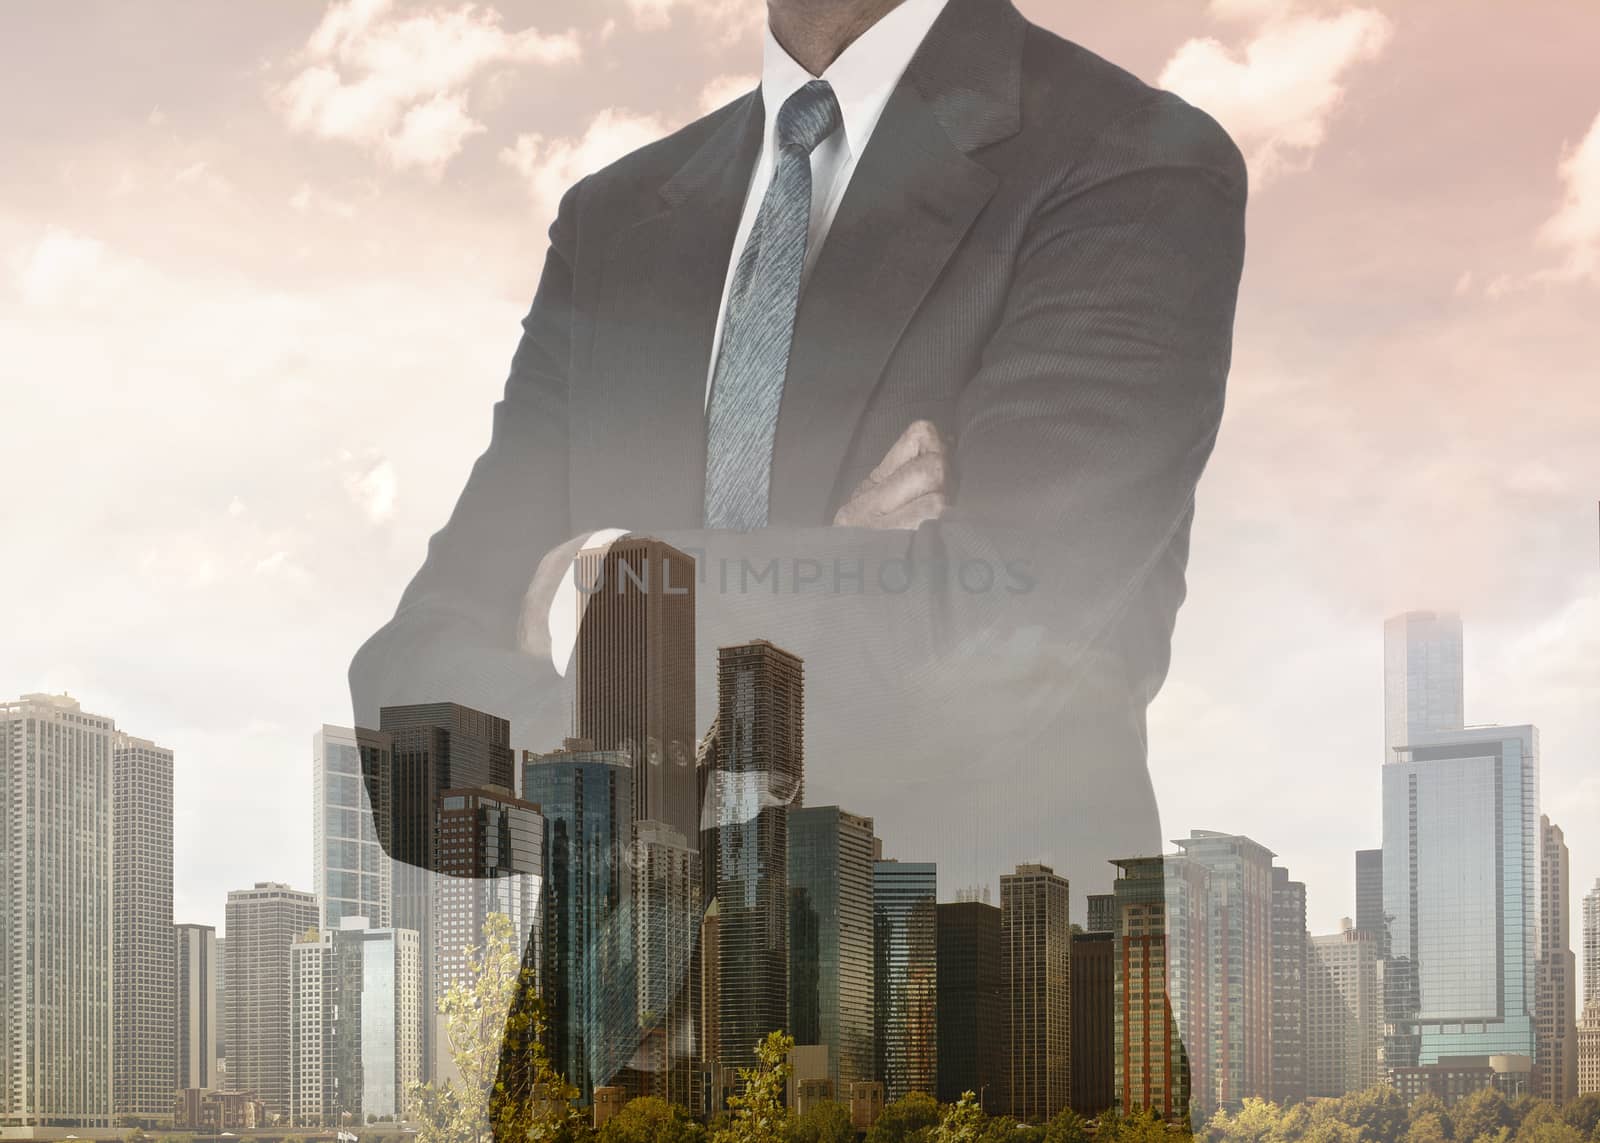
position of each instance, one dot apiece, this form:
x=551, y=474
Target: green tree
x=909, y=1119
x=1067, y=1127
x=1542, y=1123
x=1141, y=1126
x=825, y=1122
x=651, y=1120
x=961, y=1122
x=1483, y=1115
x=495, y=1025
x=759, y=1114
x=1378, y=1113
x=1583, y=1113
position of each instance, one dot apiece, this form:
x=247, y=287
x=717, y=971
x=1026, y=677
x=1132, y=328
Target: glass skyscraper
x=906, y=949
x=351, y=873
x=831, y=986
x=1422, y=676
x=589, y=979
x=1460, y=869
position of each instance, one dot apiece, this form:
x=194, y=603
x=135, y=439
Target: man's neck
x=816, y=32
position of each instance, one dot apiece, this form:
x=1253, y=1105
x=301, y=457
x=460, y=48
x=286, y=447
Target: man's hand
x=908, y=488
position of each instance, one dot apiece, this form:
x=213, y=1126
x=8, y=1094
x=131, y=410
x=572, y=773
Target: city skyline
x=1463, y=830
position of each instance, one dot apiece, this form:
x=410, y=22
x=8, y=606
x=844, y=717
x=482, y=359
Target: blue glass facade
x=590, y=983
x=1460, y=853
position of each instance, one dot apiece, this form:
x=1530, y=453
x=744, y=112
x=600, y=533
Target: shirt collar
x=864, y=75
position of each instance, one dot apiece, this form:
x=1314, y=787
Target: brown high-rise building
x=760, y=756
x=1555, y=1072
x=636, y=671
x=974, y=1008
x=1161, y=1028
x=1094, y=987
x=1036, y=942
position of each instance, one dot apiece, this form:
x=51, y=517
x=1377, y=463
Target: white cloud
x=550, y=166
x=400, y=84
x=373, y=487
x=732, y=17
x=725, y=89
x=1575, y=227
x=1277, y=94
x=64, y=267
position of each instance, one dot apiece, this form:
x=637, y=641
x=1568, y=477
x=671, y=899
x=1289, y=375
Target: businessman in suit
x=936, y=323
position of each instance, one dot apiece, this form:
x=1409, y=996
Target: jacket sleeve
x=453, y=635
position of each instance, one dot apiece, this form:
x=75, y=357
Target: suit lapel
x=913, y=196
x=659, y=296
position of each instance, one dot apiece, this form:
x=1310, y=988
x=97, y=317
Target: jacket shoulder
x=1071, y=93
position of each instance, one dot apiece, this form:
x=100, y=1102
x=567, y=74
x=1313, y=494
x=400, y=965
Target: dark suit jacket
x=1037, y=252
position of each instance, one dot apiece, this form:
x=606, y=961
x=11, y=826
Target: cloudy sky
x=261, y=269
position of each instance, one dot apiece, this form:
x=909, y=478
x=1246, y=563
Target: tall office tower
x=1344, y=1014
x=668, y=911
x=262, y=924
x=222, y=1008
x=761, y=755
x=906, y=976
x=1555, y=1073
x=1370, y=917
x=1460, y=875
x=974, y=1036
x=355, y=1004
x=1094, y=990
x=433, y=747
x=1036, y=943
x=490, y=849
x=588, y=964
x=1288, y=989
x=831, y=970
x=1161, y=1033
x=55, y=898
x=636, y=671
x=1422, y=677
x=351, y=875
x=1241, y=963
x=1102, y=912
x=195, y=1014
x=142, y=1062
x=1591, y=943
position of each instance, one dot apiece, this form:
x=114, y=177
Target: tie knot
x=809, y=116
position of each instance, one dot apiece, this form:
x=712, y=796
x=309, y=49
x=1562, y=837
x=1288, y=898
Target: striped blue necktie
x=758, y=328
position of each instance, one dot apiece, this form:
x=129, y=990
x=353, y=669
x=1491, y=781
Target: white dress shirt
x=862, y=78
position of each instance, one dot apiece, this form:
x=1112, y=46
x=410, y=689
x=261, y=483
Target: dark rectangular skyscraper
x=636, y=671
x=973, y=1005
x=1369, y=898
x=830, y=939
x=1094, y=989
x=760, y=754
